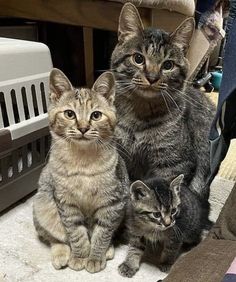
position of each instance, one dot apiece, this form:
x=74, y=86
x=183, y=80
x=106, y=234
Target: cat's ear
x=130, y=23
x=175, y=185
x=58, y=84
x=182, y=36
x=139, y=190
x=105, y=86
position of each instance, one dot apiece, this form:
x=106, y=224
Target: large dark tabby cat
x=163, y=122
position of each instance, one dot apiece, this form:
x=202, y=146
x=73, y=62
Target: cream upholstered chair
x=167, y=15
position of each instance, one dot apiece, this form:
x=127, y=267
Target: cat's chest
x=88, y=193
x=153, y=237
x=145, y=137
x=141, y=133
x=87, y=186
x=145, y=144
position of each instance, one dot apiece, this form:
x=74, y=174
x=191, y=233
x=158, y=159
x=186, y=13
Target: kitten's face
x=149, y=61
x=158, y=206
x=82, y=116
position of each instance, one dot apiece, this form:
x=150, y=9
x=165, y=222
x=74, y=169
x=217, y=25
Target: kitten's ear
x=130, y=23
x=58, y=84
x=182, y=36
x=105, y=85
x=139, y=190
x=175, y=185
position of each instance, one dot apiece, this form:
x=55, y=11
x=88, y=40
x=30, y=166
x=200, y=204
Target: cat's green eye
x=138, y=59
x=173, y=211
x=96, y=115
x=157, y=214
x=167, y=65
x=69, y=114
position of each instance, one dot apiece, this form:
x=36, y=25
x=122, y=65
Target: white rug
x=23, y=258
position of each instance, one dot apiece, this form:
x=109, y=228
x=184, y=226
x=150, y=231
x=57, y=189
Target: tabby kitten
x=158, y=212
x=163, y=122
x=83, y=189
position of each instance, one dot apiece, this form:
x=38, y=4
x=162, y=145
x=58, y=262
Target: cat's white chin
x=83, y=141
x=148, y=93
x=163, y=228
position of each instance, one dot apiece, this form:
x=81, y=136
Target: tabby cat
x=168, y=214
x=163, y=122
x=83, y=189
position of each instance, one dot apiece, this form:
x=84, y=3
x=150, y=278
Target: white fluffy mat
x=23, y=258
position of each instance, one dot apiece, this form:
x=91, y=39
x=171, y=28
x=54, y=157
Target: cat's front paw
x=126, y=271
x=165, y=267
x=85, y=249
x=76, y=263
x=95, y=265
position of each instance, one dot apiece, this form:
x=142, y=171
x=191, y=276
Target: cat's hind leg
x=60, y=254
x=47, y=220
x=50, y=229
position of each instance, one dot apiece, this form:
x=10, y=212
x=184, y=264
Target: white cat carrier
x=24, y=140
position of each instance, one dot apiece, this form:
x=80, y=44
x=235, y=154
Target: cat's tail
x=200, y=186
x=206, y=229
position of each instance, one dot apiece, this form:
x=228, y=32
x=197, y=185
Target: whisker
x=119, y=151
x=163, y=96
x=123, y=80
x=109, y=145
x=103, y=70
x=171, y=98
x=125, y=89
x=118, y=73
x=189, y=98
x=122, y=150
x=196, y=106
x=63, y=138
x=130, y=94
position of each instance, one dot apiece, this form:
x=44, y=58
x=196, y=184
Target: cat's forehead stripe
x=163, y=196
x=151, y=53
x=83, y=96
x=151, y=49
x=76, y=94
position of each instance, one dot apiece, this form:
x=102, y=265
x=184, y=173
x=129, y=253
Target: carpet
x=23, y=258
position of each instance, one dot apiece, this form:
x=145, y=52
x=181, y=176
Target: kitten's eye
x=69, y=114
x=138, y=59
x=96, y=115
x=168, y=65
x=173, y=211
x=157, y=214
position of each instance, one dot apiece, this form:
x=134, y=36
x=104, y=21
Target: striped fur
x=83, y=189
x=163, y=123
x=162, y=214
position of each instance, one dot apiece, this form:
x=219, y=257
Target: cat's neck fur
x=73, y=158
x=147, y=108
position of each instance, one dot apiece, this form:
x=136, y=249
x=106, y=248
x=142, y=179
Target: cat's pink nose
x=83, y=129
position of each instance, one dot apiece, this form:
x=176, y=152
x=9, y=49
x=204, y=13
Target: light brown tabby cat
x=83, y=188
